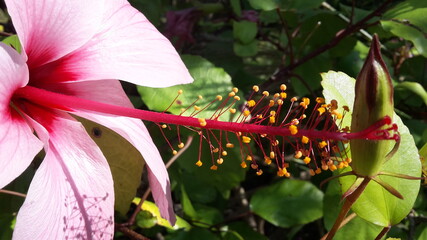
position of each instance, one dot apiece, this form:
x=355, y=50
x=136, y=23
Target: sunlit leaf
x=14, y=42
x=209, y=81
x=376, y=205
x=288, y=203
x=151, y=208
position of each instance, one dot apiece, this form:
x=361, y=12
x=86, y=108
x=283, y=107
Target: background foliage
x=265, y=42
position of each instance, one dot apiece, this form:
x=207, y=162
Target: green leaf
x=407, y=20
x=376, y=205
x=235, y=5
x=126, y=163
x=244, y=231
x=193, y=234
x=265, y=5
x=244, y=31
x=246, y=50
x=288, y=203
x=151, y=208
x=14, y=42
x=415, y=88
x=209, y=81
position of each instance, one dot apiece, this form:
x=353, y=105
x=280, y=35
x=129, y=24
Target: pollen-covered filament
x=264, y=122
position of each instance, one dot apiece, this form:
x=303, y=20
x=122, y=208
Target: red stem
x=71, y=104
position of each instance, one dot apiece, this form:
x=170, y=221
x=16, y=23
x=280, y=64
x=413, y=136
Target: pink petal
x=71, y=195
x=50, y=29
x=110, y=91
x=127, y=47
x=18, y=145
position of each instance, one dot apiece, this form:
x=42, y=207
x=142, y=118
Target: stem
x=349, y=201
x=72, y=104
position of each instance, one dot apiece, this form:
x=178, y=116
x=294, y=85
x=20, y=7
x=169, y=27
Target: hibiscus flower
x=78, y=48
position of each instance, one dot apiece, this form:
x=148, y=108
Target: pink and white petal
x=127, y=47
x=71, y=195
x=110, y=91
x=18, y=144
x=50, y=29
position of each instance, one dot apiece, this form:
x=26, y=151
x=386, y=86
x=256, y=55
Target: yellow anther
x=307, y=160
x=232, y=94
x=332, y=167
x=215, y=150
x=345, y=163
x=323, y=144
x=265, y=93
x=295, y=121
x=251, y=103
x=180, y=91
x=164, y=126
x=330, y=162
x=294, y=99
x=246, y=139
x=200, y=97
x=339, y=116
x=348, y=160
x=254, y=166
x=283, y=87
x=246, y=113
x=197, y=108
x=321, y=110
x=259, y=172
x=320, y=100
x=298, y=154
x=304, y=139
x=271, y=103
x=293, y=129
x=199, y=163
x=174, y=152
x=325, y=167
x=243, y=165
x=272, y=155
x=272, y=120
x=340, y=165
x=235, y=90
x=267, y=160
x=284, y=95
x=249, y=158
x=318, y=171
x=224, y=153
x=282, y=172
x=255, y=88
x=276, y=95
x=334, y=104
x=312, y=173
x=218, y=97
x=214, y=167
x=229, y=145
x=275, y=143
x=259, y=116
x=280, y=102
x=180, y=145
x=287, y=174
x=272, y=113
x=237, y=98
x=306, y=101
x=346, y=108
x=219, y=161
x=232, y=110
x=202, y=122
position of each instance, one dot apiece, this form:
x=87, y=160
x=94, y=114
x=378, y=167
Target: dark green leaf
x=244, y=31
x=288, y=203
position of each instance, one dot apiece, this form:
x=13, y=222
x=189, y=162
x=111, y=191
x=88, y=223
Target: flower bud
x=373, y=101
